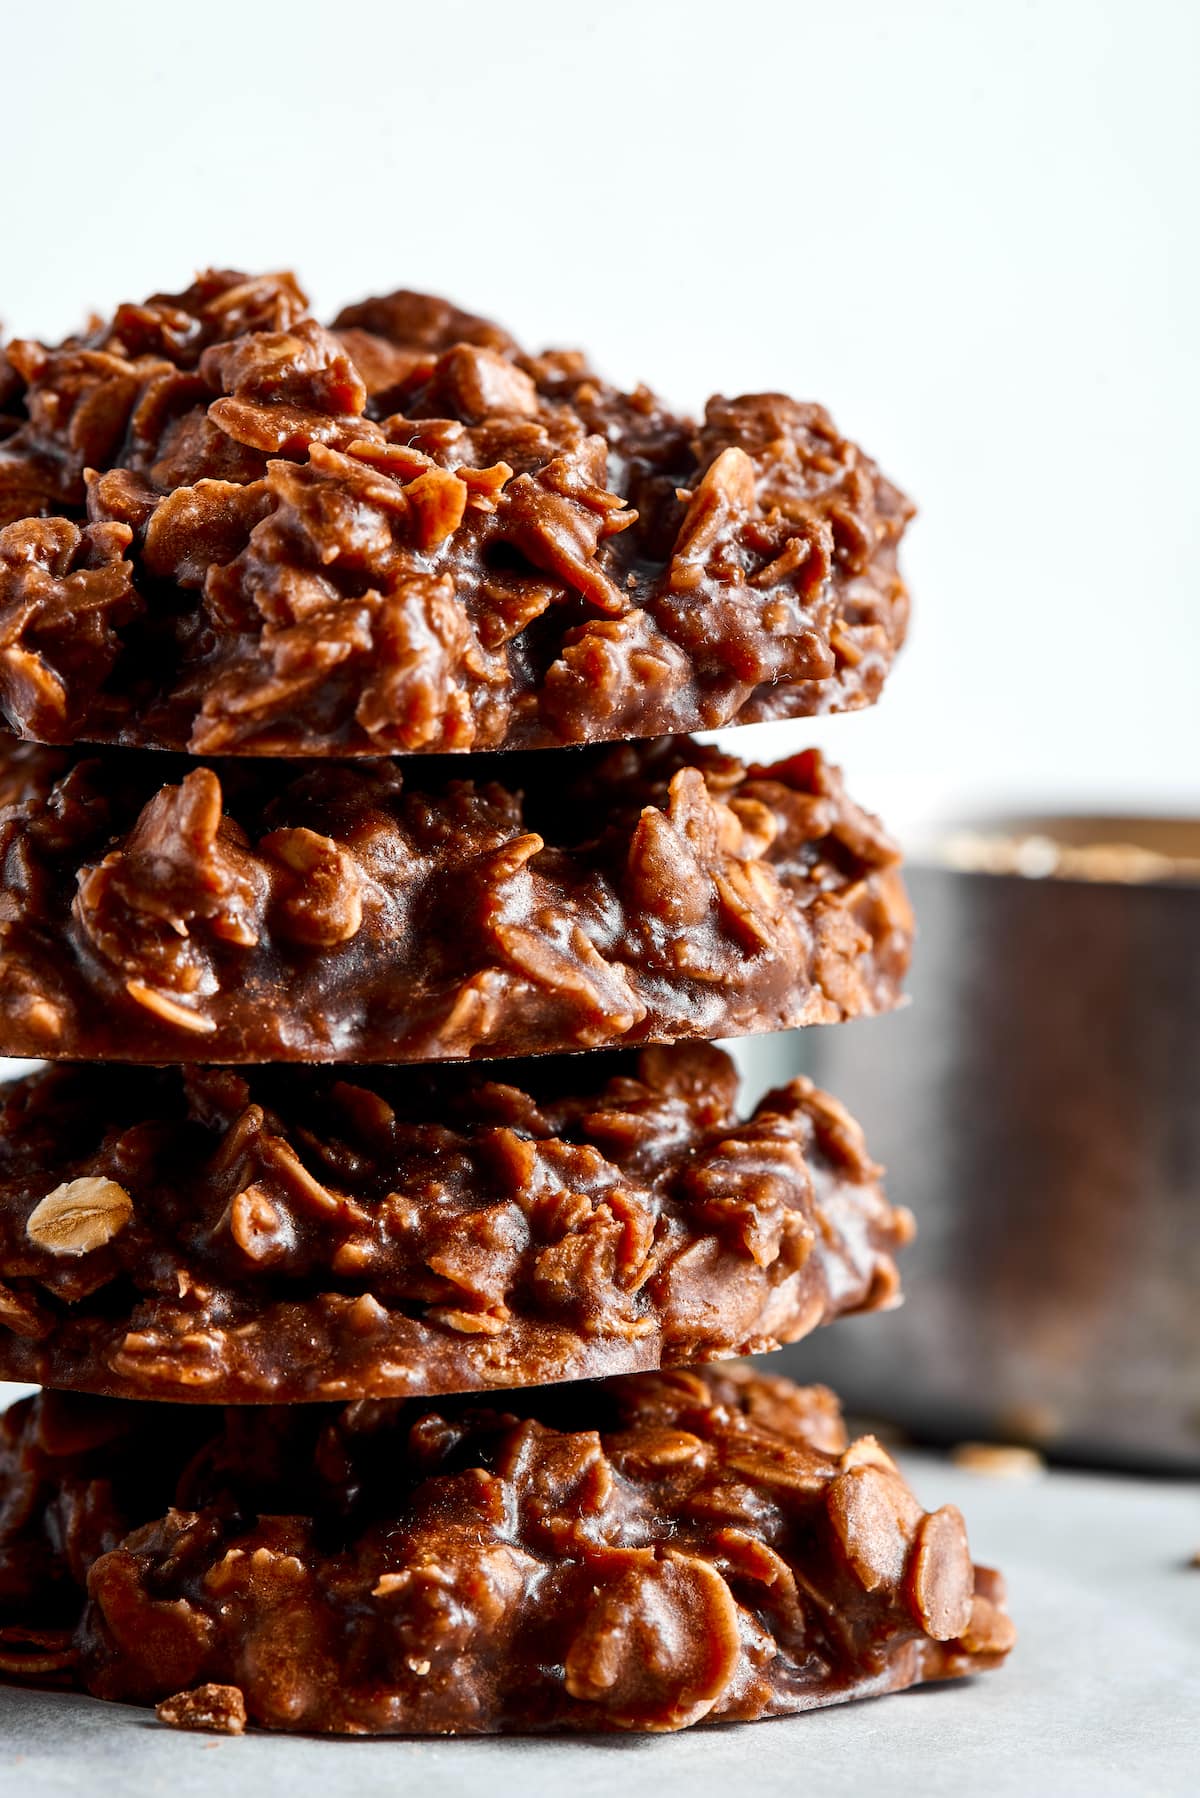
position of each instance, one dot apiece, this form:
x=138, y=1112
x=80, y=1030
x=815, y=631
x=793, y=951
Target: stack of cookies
x=345, y=803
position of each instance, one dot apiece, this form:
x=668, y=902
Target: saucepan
x=1038, y=1107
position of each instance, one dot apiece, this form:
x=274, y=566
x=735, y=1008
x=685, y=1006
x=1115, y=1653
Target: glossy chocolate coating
x=156, y=910
x=634, y=1554
x=293, y=1234
x=227, y=529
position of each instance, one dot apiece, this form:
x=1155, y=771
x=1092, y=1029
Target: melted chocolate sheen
x=642, y=1553
x=156, y=910
x=311, y=1234
x=227, y=529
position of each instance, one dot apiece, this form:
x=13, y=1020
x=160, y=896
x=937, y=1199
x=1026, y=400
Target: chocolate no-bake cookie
x=641, y=1553
x=318, y=1233
x=156, y=910
x=228, y=529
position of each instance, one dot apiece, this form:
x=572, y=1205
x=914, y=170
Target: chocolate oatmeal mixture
x=153, y=909
x=231, y=529
x=298, y=1234
x=635, y=1554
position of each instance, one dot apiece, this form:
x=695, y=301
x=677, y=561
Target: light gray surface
x=1102, y=1697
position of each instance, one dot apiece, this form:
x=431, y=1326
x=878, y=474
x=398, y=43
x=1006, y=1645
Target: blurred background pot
x=1038, y=1107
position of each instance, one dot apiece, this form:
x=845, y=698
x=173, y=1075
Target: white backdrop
x=970, y=229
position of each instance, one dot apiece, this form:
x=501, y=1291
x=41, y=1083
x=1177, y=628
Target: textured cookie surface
x=226, y=528
x=156, y=910
x=635, y=1554
x=315, y=1233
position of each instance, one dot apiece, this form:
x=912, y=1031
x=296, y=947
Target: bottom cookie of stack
x=639, y=1553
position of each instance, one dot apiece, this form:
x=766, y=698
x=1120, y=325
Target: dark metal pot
x=1038, y=1107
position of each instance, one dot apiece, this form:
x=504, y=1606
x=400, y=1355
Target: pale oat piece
x=79, y=1216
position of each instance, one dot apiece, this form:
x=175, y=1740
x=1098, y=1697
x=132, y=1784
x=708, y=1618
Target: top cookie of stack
x=233, y=531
